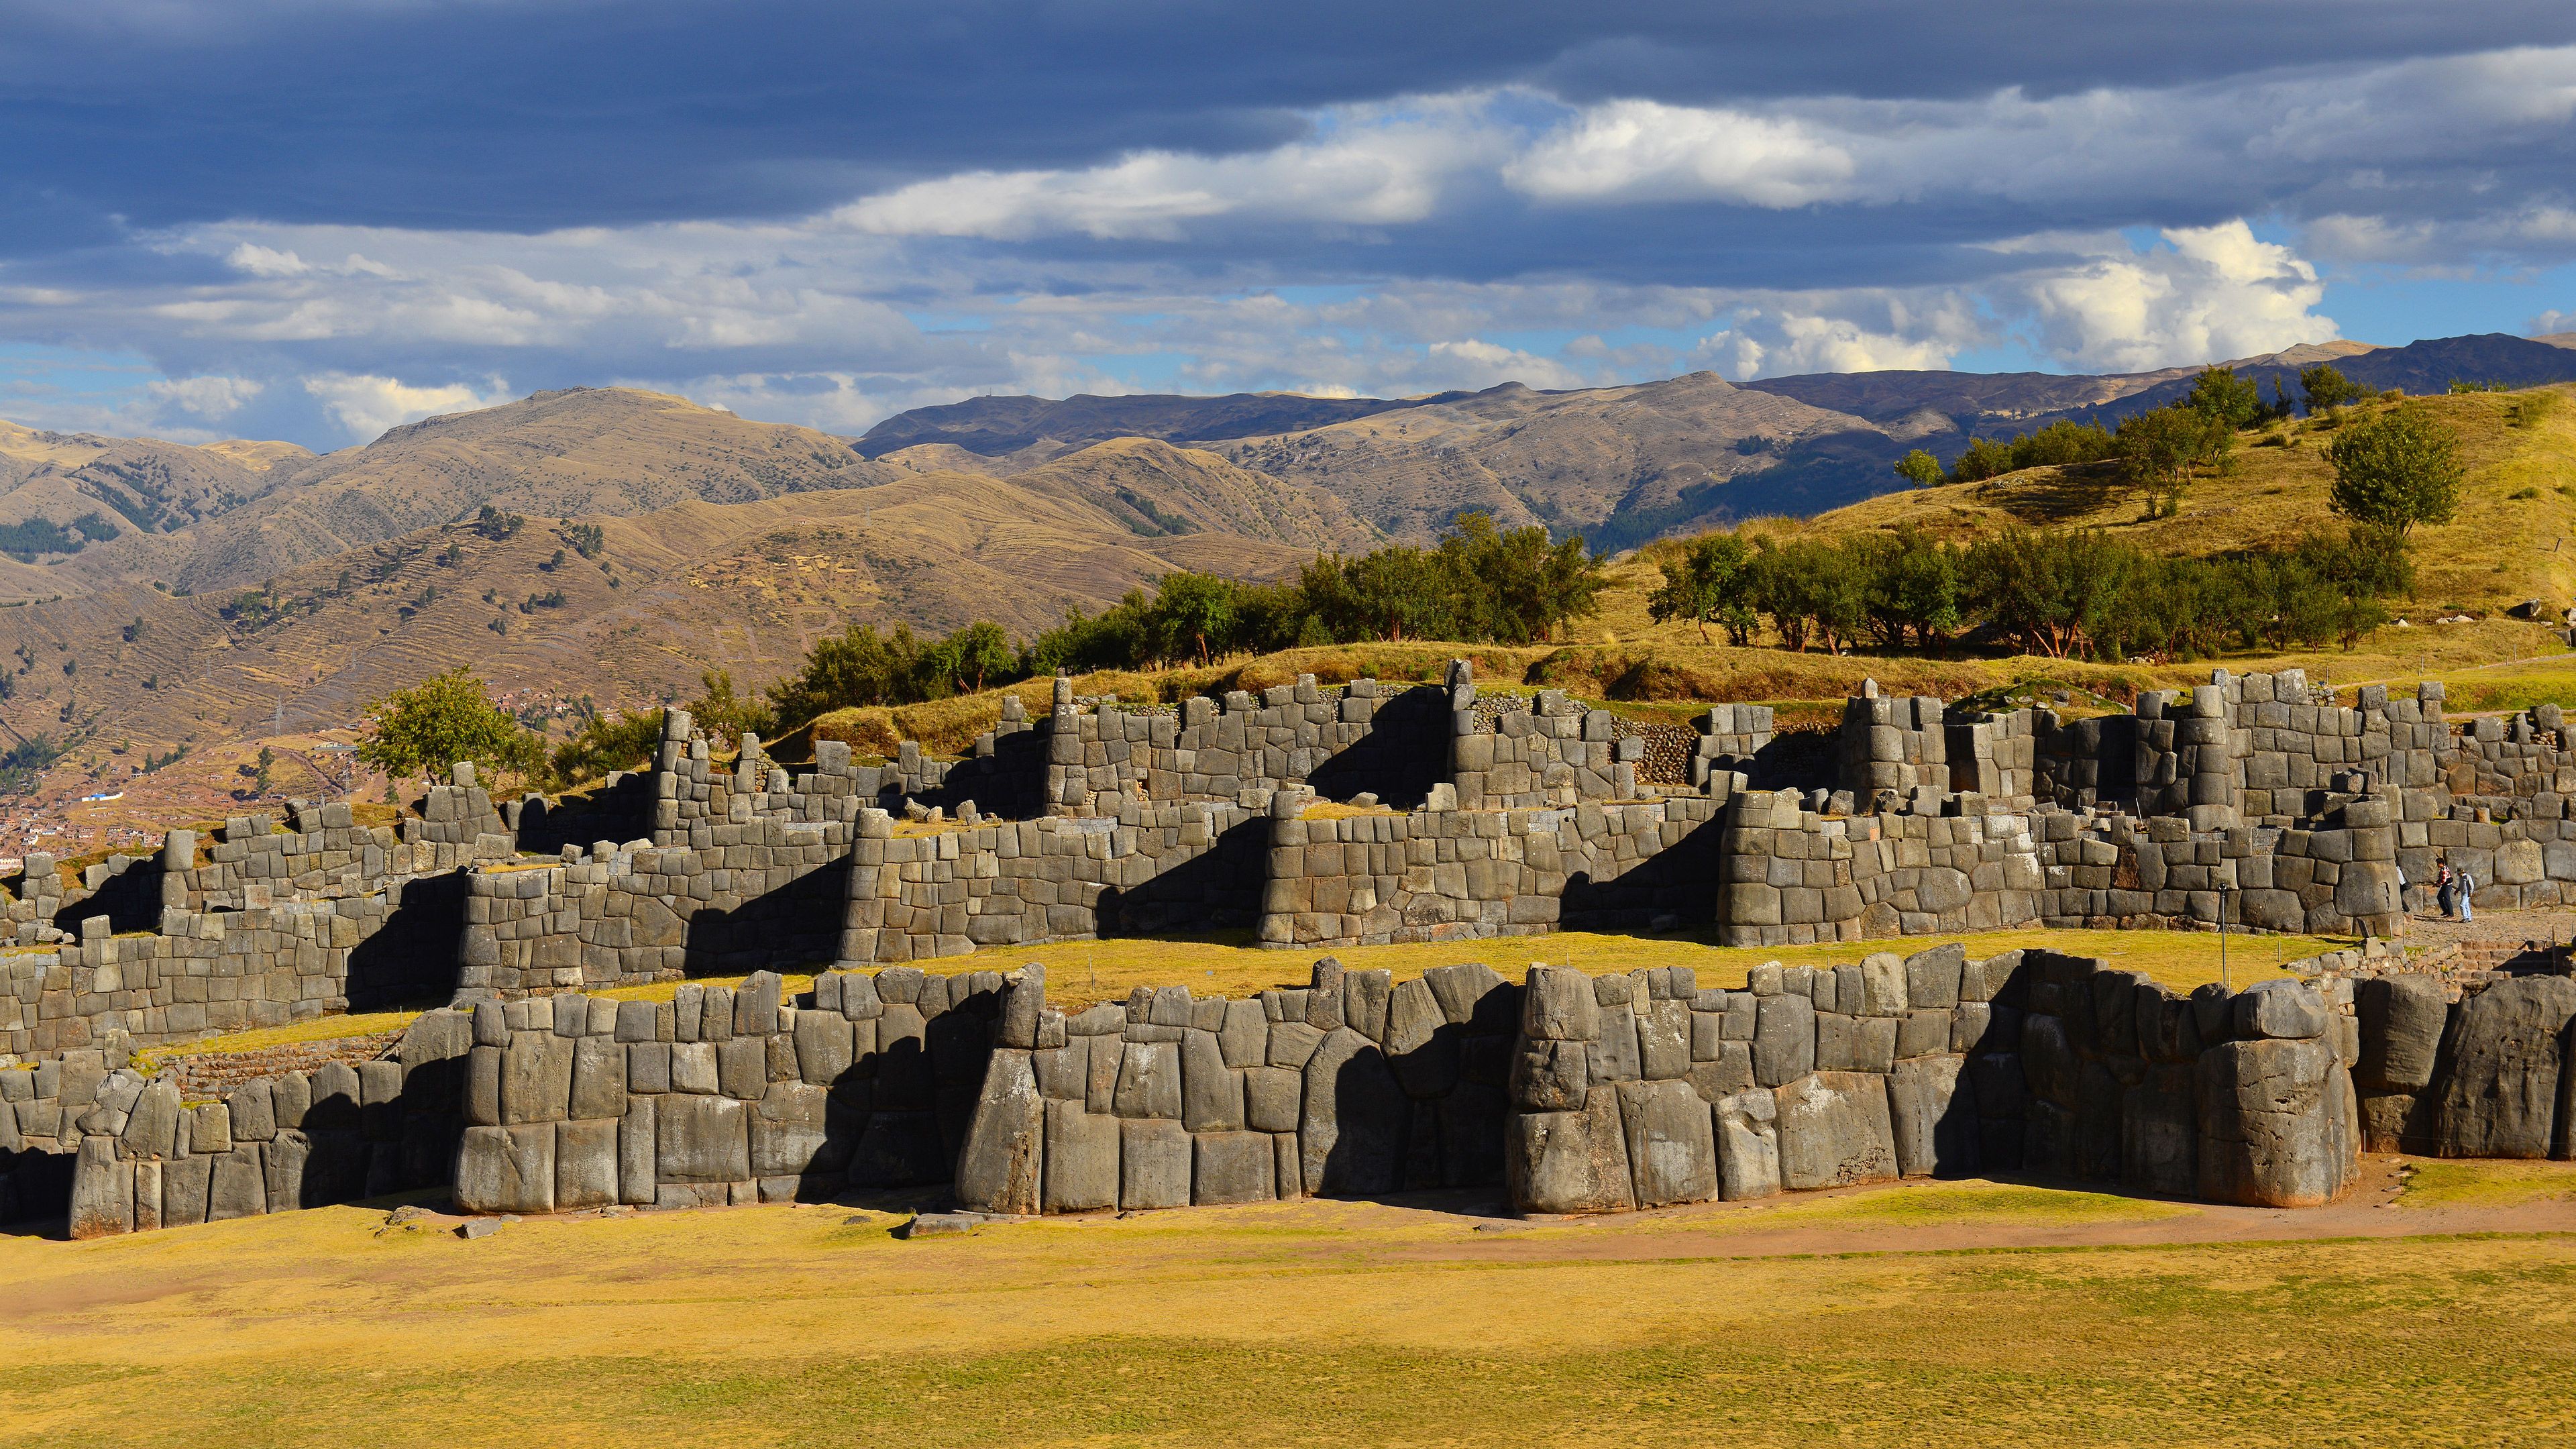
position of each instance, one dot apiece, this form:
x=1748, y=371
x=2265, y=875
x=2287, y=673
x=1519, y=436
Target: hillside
x=1623, y=465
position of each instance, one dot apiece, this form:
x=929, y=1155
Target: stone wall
x=211, y=972
x=1792, y=876
x=1362, y=737
x=723, y=1095
x=918, y=891
x=1644, y=1091
x=121, y=1152
x=1349, y=1087
x=764, y=892
x=1444, y=874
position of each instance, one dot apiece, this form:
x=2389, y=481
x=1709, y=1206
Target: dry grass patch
x=1297, y=1324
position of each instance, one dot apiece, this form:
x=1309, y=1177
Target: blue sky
x=310, y=220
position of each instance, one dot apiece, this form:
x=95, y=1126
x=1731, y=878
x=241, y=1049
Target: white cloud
x=1647, y=151
x=210, y=398
x=2209, y=294
x=1473, y=363
x=1375, y=165
x=367, y=405
x=2551, y=323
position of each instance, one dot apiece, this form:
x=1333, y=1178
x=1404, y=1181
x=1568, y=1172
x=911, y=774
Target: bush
x=626, y=741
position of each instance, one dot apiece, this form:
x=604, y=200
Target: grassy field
x=1287, y=1324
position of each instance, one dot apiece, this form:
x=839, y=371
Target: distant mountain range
x=194, y=588
x=1622, y=465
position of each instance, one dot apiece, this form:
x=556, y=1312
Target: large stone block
x=1835, y=1131
x=536, y=1078
x=1353, y=1121
x=1154, y=1160
x=1149, y=1080
x=598, y=1079
x=1672, y=1149
x=1557, y=1004
x=1570, y=1162
x=1933, y=1123
x=1784, y=1039
x=1232, y=1167
x=1001, y=1168
x=506, y=1169
x=1748, y=1144
x=1081, y=1161
x=2499, y=1097
x=2402, y=1018
x=789, y=1131
x=239, y=1185
x=2278, y=1124
x=699, y=1139
x=2280, y=1010
x=1211, y=1091
x=102, y=1201
x=585, y=1163
x=2159, y=1132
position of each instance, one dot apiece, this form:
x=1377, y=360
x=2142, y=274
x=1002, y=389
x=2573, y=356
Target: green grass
x=2486, y=1183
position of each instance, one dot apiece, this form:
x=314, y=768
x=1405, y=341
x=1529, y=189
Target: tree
x=2221, y=394
x=2396, y=470
x=441, y=721
x=2159, y=450
x=1193, y=615
x=260, y=777
x=1919, y=468
x=1707, y=583
x=2326, y=387
x=625, y=742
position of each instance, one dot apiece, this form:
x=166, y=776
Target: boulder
x=2278, y=1126
x=102, y=1190
x=1835, y=1131
x=1549, y=1075
x=239, y=1186
x=1671, y=1148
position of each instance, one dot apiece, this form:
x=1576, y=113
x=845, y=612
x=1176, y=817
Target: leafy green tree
x=1194, y=614
x=2160, y=449
x=726, y=715
x=2222, y=394
x=2325, y=387
x=441, y=721
x=1707, y=583
x=1910, y=586
x=1919, y=468
x=2396, y=470
x=626, y=741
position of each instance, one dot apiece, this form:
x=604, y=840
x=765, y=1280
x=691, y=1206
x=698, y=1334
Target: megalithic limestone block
x=1835, y=1131
x=2499, y=1097
x=1570, y=1162
x=2278, y=1125
x=1002, y=1167
x=102, y=1190
x=1748, y=1144
x=2402, y=1018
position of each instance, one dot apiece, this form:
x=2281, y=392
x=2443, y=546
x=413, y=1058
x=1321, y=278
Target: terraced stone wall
x=1792, y=876
x=1644, y=1091
x=1349, y=1087
x=1361, y=738
x=917, y=892
x=1455, y=874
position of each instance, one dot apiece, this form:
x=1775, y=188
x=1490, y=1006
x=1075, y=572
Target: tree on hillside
x=1193, y=615
x=2327, y=388
x=1919, y=468
x=2221, y=394
x=441, y=721
x=1707, y=584
x=724, y=714
x=2160, y=449
x=2397, y=470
